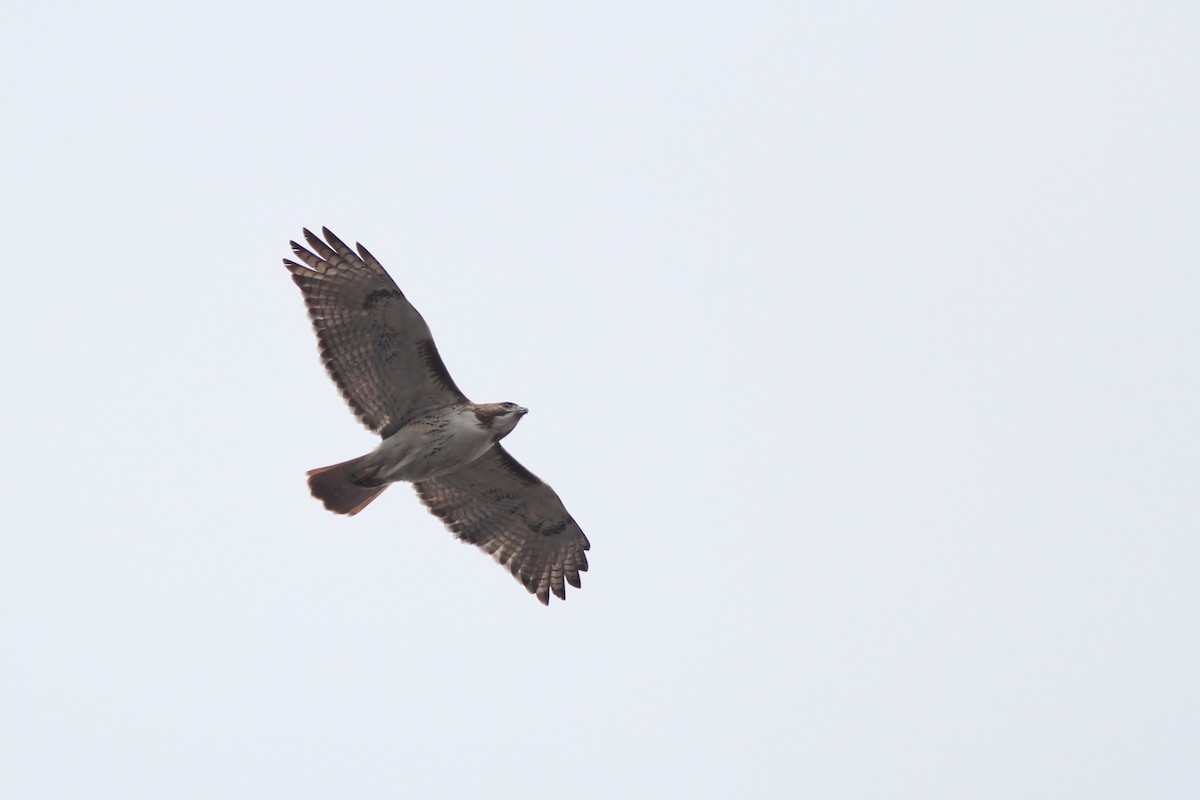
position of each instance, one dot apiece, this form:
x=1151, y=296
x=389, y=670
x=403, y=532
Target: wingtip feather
x=337, y=244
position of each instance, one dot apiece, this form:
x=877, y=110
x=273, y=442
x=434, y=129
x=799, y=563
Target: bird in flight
x=380, y=353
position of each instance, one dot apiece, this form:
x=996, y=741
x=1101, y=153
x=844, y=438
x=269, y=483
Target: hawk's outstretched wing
x=497, y=504
x=377, y=348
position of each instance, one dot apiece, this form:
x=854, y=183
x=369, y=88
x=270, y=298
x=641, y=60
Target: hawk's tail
x=335, y=487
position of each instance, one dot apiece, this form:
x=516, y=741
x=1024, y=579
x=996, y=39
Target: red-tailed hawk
x=379, y=352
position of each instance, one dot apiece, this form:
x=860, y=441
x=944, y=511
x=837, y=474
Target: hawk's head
x=500, y=418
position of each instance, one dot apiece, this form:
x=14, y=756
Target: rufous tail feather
x=335, y=487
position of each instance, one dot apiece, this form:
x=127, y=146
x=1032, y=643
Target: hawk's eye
x=509, y=406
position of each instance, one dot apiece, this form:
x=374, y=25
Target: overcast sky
x=861, y=339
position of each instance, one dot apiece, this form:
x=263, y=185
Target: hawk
x=379, y=352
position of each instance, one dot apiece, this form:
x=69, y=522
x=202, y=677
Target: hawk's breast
x=433, y=445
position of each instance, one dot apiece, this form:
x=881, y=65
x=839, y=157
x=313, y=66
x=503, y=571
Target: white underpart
x=433, y=446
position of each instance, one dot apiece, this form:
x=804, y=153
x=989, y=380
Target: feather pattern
x=375, y=345
x=505, y=510
x=380, y=353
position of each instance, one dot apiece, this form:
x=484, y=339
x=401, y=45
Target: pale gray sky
x=860, y=338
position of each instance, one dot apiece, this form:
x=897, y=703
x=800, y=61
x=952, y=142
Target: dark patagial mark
x=437, y=368
x=514, y=468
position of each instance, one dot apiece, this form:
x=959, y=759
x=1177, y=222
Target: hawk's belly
x=430, y=447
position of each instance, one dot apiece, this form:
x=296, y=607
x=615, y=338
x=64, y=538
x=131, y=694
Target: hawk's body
x=379, y=352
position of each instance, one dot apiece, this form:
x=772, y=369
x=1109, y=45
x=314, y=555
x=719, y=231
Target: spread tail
x=336, y=488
